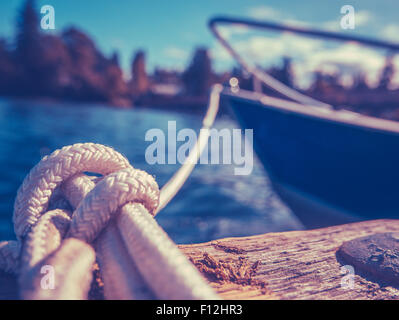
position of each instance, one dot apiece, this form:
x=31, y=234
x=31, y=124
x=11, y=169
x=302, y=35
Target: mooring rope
x=170, y=189
x=113, y=213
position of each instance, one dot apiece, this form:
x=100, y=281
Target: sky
x=169, y=30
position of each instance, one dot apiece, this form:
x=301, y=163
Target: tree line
x=69, y=66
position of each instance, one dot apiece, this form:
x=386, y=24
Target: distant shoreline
x=176, y=105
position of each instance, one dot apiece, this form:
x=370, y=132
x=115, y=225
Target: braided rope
x=34, y=194
x=77, y=187
x=116, y=189
x=122, y=280
x=121, y=277
x=167, y=271
x=45, y=237
x=134, y=252
x=72, y=266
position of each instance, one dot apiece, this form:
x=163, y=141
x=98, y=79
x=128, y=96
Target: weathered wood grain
x=298, y=264
x=294, y=265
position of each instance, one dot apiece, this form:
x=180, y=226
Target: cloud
x=362, y=18
x=175, y=53
x=348, y=57
x=236, y=29
x=391, y=32
x=264, y=12
x=218, y=52
x=264, y=49
x=309, y=55
x=333, y=25
x=269, y=13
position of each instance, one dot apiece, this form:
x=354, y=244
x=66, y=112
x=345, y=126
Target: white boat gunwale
x=344, y=117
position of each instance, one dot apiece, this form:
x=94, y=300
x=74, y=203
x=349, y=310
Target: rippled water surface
x=213, y=203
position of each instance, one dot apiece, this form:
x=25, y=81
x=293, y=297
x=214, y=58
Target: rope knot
x=34, y=195
x=104, y=201
x=58, y=213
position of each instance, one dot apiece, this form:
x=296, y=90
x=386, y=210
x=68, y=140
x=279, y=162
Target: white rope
x=129, y=194
x=121, y=278
x=171, y=188
x=45, y=237
x=34, y=194
x=70, y=274
x=167, y=271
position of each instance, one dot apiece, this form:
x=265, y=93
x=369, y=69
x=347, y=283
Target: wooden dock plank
x=298, y=264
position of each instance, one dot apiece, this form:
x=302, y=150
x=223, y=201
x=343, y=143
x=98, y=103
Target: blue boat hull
x=326, y=170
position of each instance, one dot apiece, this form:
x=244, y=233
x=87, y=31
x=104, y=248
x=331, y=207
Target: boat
x=329, y=166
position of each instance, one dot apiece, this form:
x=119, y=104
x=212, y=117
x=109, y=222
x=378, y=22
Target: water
x=213, y=203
